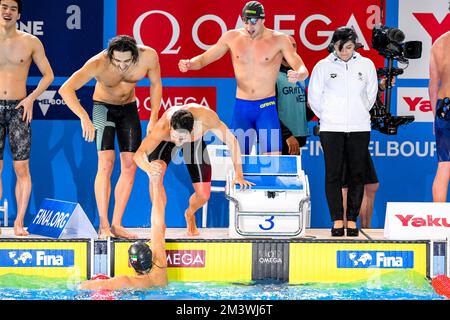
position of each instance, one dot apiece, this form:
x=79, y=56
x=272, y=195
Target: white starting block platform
x=278, y=206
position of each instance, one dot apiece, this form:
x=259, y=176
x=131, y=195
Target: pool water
x=402, y=285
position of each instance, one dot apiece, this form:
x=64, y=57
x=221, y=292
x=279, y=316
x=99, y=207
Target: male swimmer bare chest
x=117, y=87
x=15, y=60
x=256, y=63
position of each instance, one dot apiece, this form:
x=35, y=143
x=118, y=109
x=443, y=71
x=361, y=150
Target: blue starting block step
x=271, y=165
x=274, y=182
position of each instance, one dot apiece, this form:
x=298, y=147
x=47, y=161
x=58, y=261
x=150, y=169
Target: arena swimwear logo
x=375, y=259
x=267, y=104
x=36, y=258
x=417, y=222
x=186, y=258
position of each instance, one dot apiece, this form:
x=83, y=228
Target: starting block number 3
x=270, y=224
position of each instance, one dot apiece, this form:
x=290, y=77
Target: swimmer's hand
x=154, y=170
x=244, y=184
x=293, y=76
x=27, y=105
x=88, y=129
x=184, y=65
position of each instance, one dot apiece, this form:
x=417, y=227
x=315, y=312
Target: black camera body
x=389, y=42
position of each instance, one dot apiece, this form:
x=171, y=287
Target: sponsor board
x=375, y=259
x=71, y=32
x=176, y=96
x=51, y=106
x=417, y=220
x=414, y=102
x=196, y=261
x=351, y=262
x=422, y=21
x=176, y=35
x=53, y=259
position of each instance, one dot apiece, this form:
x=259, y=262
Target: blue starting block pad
x=274, y=182
x=277, y=206
x=271, y=165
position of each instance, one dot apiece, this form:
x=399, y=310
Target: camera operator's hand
x=382, y=84
x=294, y=147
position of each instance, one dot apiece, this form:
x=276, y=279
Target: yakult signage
x=424, y=21
x=414, y=102
x=177, y=31
x=417, y=221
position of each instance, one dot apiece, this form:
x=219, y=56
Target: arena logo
x=186, y=258
x=375, y=259
x=36, y=258
x=322, y=35
x=417, y=222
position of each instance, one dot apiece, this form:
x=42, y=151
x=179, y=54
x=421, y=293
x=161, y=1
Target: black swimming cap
x=253, y=9
x=140, y=257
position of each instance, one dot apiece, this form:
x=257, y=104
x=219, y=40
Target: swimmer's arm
x=293, y=58
x=75, y=82
x=433, y=86
x=147, y=146
x=223, y=133
x=154, y=75
x=214, y=53
x=115, y=283
x=41, y=61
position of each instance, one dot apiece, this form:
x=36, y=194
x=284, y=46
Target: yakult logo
x=414, y=102
x=186, y=258
x=409, y=220
x=423, y=21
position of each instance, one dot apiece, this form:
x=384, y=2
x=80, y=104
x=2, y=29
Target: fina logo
x=36, y=258
x=25, y=257
x=375, y=259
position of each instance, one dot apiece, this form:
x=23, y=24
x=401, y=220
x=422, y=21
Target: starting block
x=279, y=204
x=4, y=208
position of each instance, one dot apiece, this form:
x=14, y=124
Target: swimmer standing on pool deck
x=256, y=54
x=17, y=50
x=117, y=70
x=439, y=91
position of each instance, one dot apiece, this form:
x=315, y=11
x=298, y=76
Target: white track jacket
x=341, y=94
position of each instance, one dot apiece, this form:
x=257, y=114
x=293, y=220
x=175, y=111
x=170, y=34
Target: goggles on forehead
x=253, y=21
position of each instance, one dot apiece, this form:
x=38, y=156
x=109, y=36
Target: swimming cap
x=253, y=9
x=140, y=257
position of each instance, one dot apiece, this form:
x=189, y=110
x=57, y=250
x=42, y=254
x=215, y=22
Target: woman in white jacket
x=342, y=90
